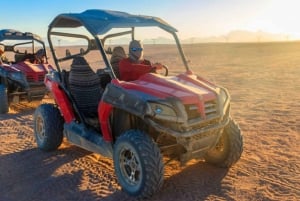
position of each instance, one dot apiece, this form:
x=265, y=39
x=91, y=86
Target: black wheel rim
x=130, y=166
x=40, y=128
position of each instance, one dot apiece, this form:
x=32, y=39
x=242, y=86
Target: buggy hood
x=188, y=88
x=28, y=67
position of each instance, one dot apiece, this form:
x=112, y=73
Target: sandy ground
x=264, y=83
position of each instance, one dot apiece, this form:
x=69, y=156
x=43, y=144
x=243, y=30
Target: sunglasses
x=134, y=49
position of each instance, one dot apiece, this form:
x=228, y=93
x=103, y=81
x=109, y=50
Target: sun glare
x=279, y=17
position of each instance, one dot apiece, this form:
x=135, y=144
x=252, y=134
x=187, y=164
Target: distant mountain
x=240, y=36
x=233, y=37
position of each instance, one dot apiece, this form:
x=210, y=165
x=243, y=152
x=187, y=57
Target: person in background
x=135, y=65
x=3, y=58
x=117, y=55
x=40, y=57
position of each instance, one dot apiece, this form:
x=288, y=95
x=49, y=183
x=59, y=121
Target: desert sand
x=264, y=82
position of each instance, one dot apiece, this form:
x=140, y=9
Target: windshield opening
x=159, y=46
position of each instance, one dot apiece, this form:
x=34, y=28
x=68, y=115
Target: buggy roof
x=101, y=21
x=11, y=34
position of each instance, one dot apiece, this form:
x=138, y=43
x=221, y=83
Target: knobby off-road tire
x=48, y=127
x=138, y=164
x=3, y=99
x=229, y=148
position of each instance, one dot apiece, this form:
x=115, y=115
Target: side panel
x=61, y=99
x=104, y=111
x=90, y=140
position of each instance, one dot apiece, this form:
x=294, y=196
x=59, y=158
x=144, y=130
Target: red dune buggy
x=175, y=113
x=23, y=66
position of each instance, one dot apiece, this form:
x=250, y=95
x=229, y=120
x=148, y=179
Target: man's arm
x=130, y=71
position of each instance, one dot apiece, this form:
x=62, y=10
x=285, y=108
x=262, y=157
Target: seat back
x=19, y=57
x=85, y=87
x=117, y=55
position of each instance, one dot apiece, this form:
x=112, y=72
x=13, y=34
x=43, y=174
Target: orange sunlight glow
x=279, y=17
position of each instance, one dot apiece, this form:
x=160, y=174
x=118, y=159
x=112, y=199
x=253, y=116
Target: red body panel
x=62, y=100
x=104, y=111
x=33, y=72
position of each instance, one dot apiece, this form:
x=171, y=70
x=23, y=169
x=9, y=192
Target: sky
x=192, y=18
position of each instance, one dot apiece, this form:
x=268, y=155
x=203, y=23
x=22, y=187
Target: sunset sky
x=193, y=18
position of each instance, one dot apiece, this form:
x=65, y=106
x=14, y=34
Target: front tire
x=138, y=164
x=229, y=148
x=48, y=127
x=3, y=99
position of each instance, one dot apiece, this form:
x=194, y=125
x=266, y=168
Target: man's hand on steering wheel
x=159, y=66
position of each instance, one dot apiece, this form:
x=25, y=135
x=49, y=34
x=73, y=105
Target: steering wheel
x=164, y=68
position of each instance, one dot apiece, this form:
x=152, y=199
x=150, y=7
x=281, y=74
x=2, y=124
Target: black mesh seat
x=85, y=87
x=19, y=57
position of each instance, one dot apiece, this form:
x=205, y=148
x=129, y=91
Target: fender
x=126, y=100
x=115, y=96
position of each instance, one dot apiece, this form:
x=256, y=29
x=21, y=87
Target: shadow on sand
x=195, y=182
x=30, y=175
